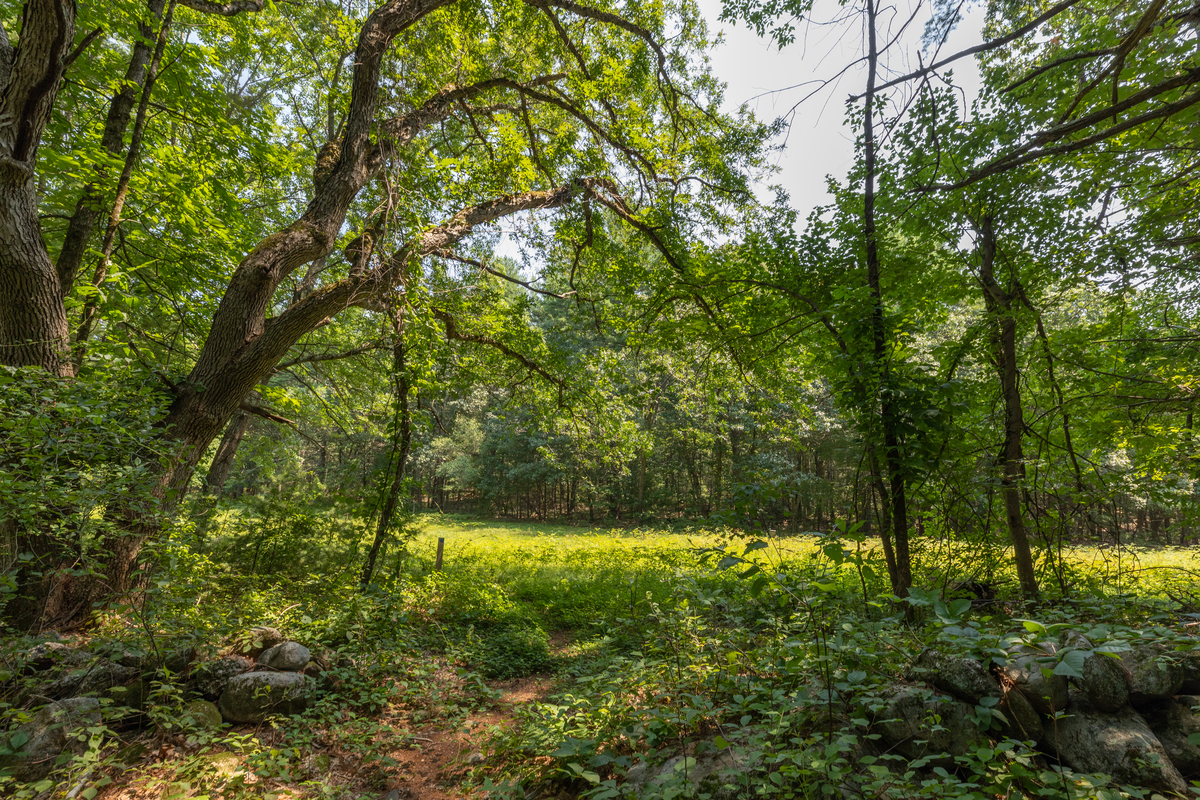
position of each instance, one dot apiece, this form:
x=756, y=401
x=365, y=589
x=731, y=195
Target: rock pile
x=265, y=676
x=278, y=686
x=1123, y=716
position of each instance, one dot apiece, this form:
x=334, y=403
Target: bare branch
x=357, y=351
x=482, y=267
x=266, y=413
x=78, y=51
x=1033, y=150
x=979, y=48
x=401, y=130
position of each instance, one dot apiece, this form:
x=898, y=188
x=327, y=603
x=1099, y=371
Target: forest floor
x=472, y=680
x=439, y=767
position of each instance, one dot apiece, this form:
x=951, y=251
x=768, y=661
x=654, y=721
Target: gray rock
x=210, y=678
x=1172, y=721
x=97, y=678
x=959, y=676
x=1045, y=692
x=254, y=696
x=48, y=739
x=712, y=773
x=288, y=657
x=174, y=660
x=258, y=639
x=50, y=654
x=1104, y=682
x=908, y=725
x=133, y=696
x=1154, y=674
x=1189, y=664
x=1024, y=722
x=203, y=715
x=1118, y=744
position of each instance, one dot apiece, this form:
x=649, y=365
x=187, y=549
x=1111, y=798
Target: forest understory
x=558, y=661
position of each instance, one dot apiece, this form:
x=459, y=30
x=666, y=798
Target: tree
x=455, y=116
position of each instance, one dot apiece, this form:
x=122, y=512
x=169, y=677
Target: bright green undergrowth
x=664, y=642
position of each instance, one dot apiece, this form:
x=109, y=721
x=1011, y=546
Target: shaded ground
x=443, y=757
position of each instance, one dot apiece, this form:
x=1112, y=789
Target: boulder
x=210, y=678
x=908, y=726
x=1173, y=721
x=50, y=654
x=133, y=696
x=98, y=677
x=1189, y=664
x=202, y=714
x=46, y=740
x=287, y=657
x=1154, y=674
x=1023, y=720
x=1044, y=690
x=254, y=696
x=715, y=774
x=1118, y=744
x=174, y=660
x=959, y=676
x=255, y=640
x=1104, y=682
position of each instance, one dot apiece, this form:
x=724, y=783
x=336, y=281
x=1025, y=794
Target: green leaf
x=1071, y=663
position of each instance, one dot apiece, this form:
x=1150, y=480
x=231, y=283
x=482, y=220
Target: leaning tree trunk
x=1000, y=304
x=222, y=463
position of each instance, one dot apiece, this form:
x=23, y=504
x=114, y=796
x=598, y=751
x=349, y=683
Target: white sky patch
x=819, y=143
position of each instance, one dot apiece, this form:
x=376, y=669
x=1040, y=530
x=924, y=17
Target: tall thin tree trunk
x=400, y=450
x=1000, y=303
x=87, y=211
x=888, y=464
x=92, y=303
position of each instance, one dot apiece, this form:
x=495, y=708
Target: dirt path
x=428, y=773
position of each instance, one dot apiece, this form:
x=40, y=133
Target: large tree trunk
x=241, y=347
x=33, y=320
x=1000, y=304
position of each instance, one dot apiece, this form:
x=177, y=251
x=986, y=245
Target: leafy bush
x=511, y=650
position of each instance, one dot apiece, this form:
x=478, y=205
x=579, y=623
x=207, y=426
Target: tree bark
x=33, y=320
x=1000, y=304
x=400, y=450
x=82, y=226
x=889, y=462
x=218, y=471
x=92, y=303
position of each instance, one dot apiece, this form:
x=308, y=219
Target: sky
x=817, y=143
